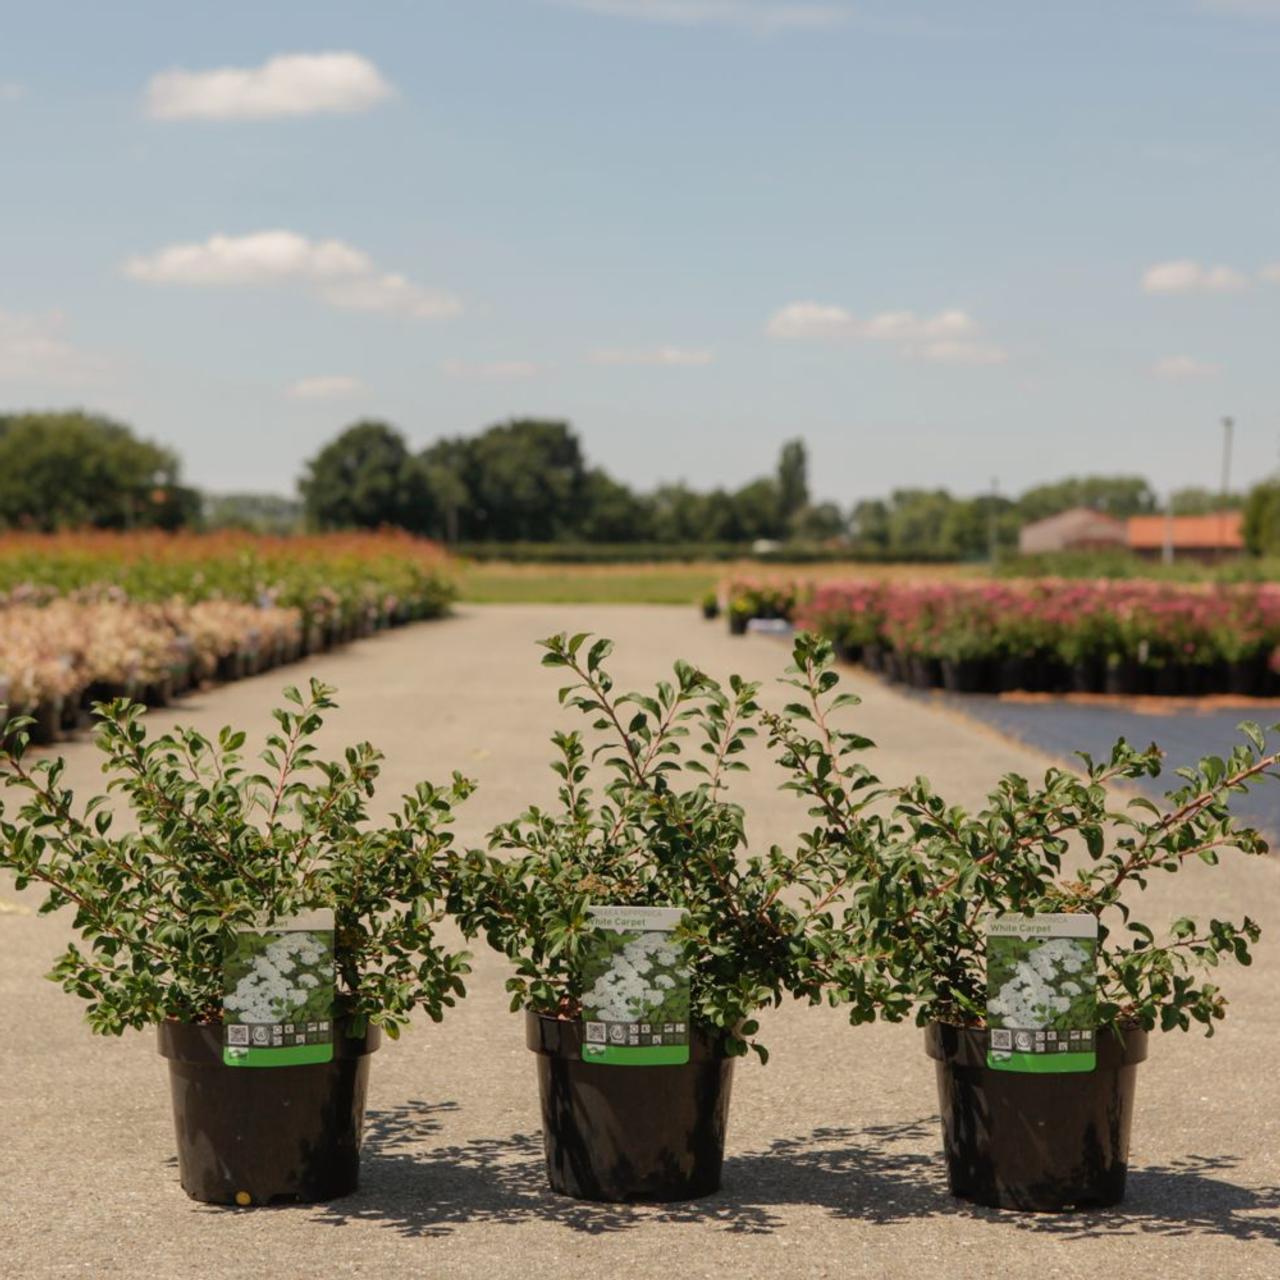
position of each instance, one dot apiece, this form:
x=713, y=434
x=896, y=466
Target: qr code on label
x=1001, y=1039
x=595, y=1033
x=237, y=1035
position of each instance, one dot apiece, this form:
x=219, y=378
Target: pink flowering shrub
x=1072, y=624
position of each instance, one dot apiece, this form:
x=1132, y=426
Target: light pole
x=1228, y=431
x=992, y=542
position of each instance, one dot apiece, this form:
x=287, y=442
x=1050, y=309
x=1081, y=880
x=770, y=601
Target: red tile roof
x=1219, y=531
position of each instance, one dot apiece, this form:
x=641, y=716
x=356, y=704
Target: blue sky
x=944, y=242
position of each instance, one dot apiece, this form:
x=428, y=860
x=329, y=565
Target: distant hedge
x=673, y=552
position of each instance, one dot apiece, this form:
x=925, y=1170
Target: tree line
x=529, y=481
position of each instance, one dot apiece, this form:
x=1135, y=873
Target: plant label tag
x=1042, y=993
x=635, y=988
x=278, y=994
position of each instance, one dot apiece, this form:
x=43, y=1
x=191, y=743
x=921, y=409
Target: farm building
x=1209, y=537
x=1080, y=529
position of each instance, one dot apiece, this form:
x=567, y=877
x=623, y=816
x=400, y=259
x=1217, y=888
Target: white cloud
x=1185, y=275
x=687, y=357
x=293, y=84
x=35, y=348
x=260, y=258
x=824, y=320
x=947, y=337
x=332, y=270
x=331, y=386
x=812, y=320
x=491, y=371
x=758, y=15
x=1184, y=368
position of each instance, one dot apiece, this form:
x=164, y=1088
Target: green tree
x=870, y=524
x=1262, y=519
x=257, y=512
x=525, y=479
x=366, y=478
x=920, y=524
x=793, y=478
x=613, y=513
x=969, y=523
x=60, y=470
x=450, y=498
x=1118, y=496
x=817, y=522
x=758, y=507
x=678, y=514
x=1203, y=502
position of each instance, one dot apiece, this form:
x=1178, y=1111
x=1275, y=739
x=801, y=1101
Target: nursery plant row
x=87, y=617
x=1128, y=636
x=274, y=932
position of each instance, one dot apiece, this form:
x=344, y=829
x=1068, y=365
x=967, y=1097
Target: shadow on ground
x=876, y=1175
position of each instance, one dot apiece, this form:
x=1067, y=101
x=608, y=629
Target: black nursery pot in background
x=266, y=1135
x=630, y=1133
x=1047, y=1143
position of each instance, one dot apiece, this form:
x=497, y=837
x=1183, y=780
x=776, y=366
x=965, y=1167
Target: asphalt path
x=833, y=1162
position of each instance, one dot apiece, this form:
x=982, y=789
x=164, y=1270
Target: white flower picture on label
x=279, y=978
x=638, y=978
x=1034, y=984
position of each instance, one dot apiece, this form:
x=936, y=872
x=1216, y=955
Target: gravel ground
x=834, y=1156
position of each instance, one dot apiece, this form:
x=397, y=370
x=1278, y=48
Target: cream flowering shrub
x=61, y=648
x=127, y=609
x=913, y=880
x=222, y=844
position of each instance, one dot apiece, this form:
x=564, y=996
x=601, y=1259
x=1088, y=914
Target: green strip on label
x=1046, y=1064
x=655, y=1055
x=294, y=1055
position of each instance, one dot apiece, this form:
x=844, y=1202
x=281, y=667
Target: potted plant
x=256, y=918
x=1013, y=931
x=644, y=939
x=711, y=605
x=740, y=612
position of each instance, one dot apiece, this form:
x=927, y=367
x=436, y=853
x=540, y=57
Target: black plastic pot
x=623, y=1133
x=1047, y=1143
x=1014, y=673
x=48, y=723
x=738, y=623
x=924, y=673
x=159, y=693
x=1088, y=676
x=964, y=675
x=1245, y=676
x=71, y=718
x=1128, y=677
x=1169, y=680
x=266, y=1135
x=848, y=651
